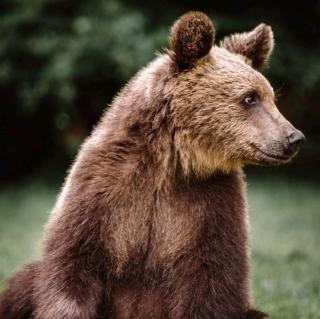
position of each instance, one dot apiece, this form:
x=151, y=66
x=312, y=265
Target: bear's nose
x=296, y=139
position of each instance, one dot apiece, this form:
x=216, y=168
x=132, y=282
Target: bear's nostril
x=296, y=139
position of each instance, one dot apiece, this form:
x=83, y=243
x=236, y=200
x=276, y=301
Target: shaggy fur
x=151, y=221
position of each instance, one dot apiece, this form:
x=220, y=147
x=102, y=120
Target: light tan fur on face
x=212, y=131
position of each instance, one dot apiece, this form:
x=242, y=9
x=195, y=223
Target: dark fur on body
x=151, y=222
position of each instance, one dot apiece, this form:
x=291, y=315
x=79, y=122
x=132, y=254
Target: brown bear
x=152, y=221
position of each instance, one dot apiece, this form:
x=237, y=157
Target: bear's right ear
x=192, y=37
x=256, y=46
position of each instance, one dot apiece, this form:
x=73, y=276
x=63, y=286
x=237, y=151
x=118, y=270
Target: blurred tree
x=62, y=61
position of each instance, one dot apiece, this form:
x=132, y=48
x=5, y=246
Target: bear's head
x=222, y=108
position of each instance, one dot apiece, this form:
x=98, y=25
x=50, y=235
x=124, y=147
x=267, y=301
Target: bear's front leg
x=67, y=291
x=199, y=291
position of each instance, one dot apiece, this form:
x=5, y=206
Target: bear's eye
x=251, y=99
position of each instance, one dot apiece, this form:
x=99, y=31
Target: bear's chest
x=152, y=231
x=211, y=211
x=203, y=222
x=176, y=226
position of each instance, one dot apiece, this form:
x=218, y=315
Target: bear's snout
x=295, y=140
x=278, y=141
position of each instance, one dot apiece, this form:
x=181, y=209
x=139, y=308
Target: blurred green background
x=61, y=62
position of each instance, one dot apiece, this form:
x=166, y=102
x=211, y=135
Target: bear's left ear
x=256, y=46
x=192, y=37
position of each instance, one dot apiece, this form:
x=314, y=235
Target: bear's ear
x=256, y=46
x=192, y=37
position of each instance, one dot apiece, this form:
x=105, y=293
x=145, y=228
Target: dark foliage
x=61, y=62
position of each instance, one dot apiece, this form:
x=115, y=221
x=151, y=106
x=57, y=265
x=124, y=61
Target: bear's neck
x=173, y=164
x=158, y=155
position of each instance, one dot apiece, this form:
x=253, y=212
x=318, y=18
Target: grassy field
x=285, y=240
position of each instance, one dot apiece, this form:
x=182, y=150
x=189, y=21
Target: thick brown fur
x=151, y=221
x=16, y=300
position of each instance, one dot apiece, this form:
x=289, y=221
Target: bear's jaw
x=206, y=163
x=269, y=157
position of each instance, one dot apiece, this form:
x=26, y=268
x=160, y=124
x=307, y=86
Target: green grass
x=285, y=227
x=285, y=240
x=24, y=210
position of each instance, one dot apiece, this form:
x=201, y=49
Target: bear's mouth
x=271, y=156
